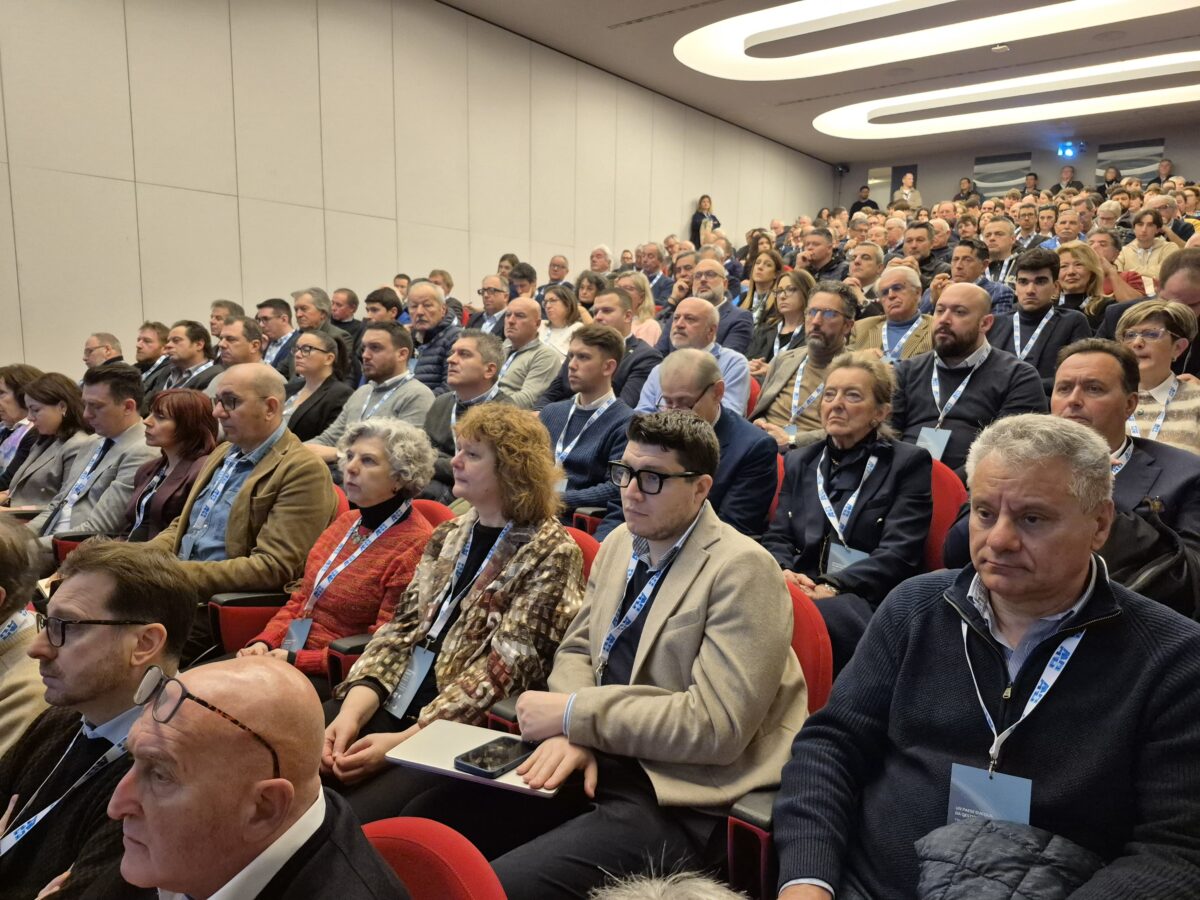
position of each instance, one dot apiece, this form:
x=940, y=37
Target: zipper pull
x=1007, y=695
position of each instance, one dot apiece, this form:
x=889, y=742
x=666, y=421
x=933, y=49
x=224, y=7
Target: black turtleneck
x=1074, y=301
x=373, y=516
x=1032, y=317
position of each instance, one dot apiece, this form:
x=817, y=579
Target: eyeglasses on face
x=1146, y=334
x=826, y=314
x=56, y=628
x=307, y=350
x=169, y=694
x=484, y=291
x=263, y=320
x=665, y=403
x=648, y=481
x=786, y=291
x=706, y=275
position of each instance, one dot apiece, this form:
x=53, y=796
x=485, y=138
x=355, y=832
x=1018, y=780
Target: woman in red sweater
x=361, y=564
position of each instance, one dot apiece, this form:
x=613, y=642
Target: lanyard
x=1057, y=663
x=1162, y=416
x=779, y=338
x=1037, y=332
x=449, y=601
x=1120, y=461
x=511, y=359
x=839, y=523
x=798, y=408
x=147, y=496
x=184, y=378
x=561, y=453
x=895, y=354
x=369, y=411
x=490, y=395
x=944, y=411
x=218, y=486
x=82, y=483
x=323, y=580
x=21, y=620
x=757, y=299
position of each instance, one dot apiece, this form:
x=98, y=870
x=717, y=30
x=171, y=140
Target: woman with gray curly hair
x=361, y=565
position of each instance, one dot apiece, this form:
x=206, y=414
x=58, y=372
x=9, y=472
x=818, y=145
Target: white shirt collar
x=596, y=404
x=1159, y=392
x=115, y=729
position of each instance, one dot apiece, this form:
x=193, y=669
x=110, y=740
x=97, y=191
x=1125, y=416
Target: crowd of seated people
x=741, y=426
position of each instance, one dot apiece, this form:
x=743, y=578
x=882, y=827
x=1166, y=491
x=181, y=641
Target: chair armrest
x=503, y=715
x=752, y=864
x=355, y=644
x=249, y=598
x=237, y=617
x=756, y=808
x=342, y=654
x=24, y=514
x=587, y=518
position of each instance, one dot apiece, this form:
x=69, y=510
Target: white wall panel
x=3, y=129
x=190, y=253
x=283, y=249
x=181, y=94
x=750, y=182
x=595, y=158
x=552, y=147
x=666, y=191
x=425, y=247
x=10, y=307
x=698, y=150
x=67, y=88
x=727, y=167
x=774, y=205
x=360, y=251
x=635, y=125
x=277, y=101
x=76, y=239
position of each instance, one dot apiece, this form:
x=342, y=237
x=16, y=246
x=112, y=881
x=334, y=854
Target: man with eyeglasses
x=735, y=326
x=557, y=269
x=673, y=691
x=259, y=504
x=118, y=610
x=493, y=293
x=1179, y=279
x=224, y=797
x=695, y=325
x=789, y=407
x=901, y=332
x=101, y=349
x=274, y=317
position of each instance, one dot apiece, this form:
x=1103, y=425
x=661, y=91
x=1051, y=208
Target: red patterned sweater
x=362, y=598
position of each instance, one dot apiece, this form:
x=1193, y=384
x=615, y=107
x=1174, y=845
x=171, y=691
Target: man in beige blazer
x=675, y=691
x=901, y=332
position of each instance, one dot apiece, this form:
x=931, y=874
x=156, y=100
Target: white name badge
x=560, y=486
x=980, y=794
x=934, y=440
x=414, y=676
x=297, y=634
x=841, y=556
x=790, y=430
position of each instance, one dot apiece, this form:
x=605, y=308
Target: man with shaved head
x=530, y=366
x=224, y=797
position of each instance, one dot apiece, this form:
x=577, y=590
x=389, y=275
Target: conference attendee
x=1148, y=251
x=361, y=564
x=441, y=278
x=652, y=267
x=587, y=286
x=612, y=307
x=274, y=317
x=787, y=407
x=314, y=311
x=908, y=191
x=588, y=429
x=902, y=332
x=490, y=601
x=695, y=325
x=747, y=472
x=55, y=408
x=1031, y=184
x=97, y=489
x=117, y=612
x=823, y=261
x=735, y=326
x=557, y=270
x=1180, y=280
x=22, y=696
x=383, y=305
x=318, y=394
x=391, y=390
x=670, y=693
x=1121, y=286
x=1081, y=282
x=1159, y=332
x=946, y=397
x=493, y=293
x=1067, y=228
x=864, y=200
x=645, y=326
x=17, y=433
x=600, y=260
x=704, y=222
x=241, y=342
x=192, y=358
x=918, y=252
x=780, y=324
x=400, y=283
x=1040, y=624
x=150, y=353
x=258, y=506
x=764, y=272
x=563, y=318
x=999, y=237
x=434, y=330
x=522, y=281
x=249, y=818
x=530, y=366
x=101, y=349
x=941, y=247
x=969, y=265
x=866, y=533
x=343, y=304
x=220, y=311
x=1066, y=179
x=1042, y=325
x=474, y=366
x=182, y=428
x=1026, y=235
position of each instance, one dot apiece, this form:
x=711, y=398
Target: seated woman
x=562, y=317
x=764, y=272
x=645, y=325
x=313, y=404
x=489, y=603
x=56, y=411
x=362, y=564
x=854, y=510
x=17, y=434
x=779, y=325
x=587, y=286
x=181, y=424
x=1081, y=280
x=1159, y=332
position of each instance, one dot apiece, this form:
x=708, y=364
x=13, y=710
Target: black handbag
x=1150, y=558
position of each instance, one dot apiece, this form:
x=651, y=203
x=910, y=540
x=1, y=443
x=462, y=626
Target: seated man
x=119, y=610
x=735, y=326
x=1000, y=239
x=1108, y=766
x=190, y=349
x=531, y=365
x=969, y=265
x=21, y=692
x=96, y=492
x=274, y=317
x=259, y=504
x=789, y=407
x=494, y=294
x=694, y=325
x=241, y=341
x=382, y=305
x=202, y=780
x=684, y=706
x=946, y=397
x=391, y=389
x=434, y=329
x=901, y=332
x=474, y=365
x=917, y=251
x=588, y=430
x=747, y=475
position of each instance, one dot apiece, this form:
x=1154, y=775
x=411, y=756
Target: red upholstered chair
x=434, y=861
x=63, y=548
x=949, y=495
x=587, y=521
x=237, y=617
x=435, y=512
x=343, y=504
x=755, y=391
x=590, y=547
x=778, y=488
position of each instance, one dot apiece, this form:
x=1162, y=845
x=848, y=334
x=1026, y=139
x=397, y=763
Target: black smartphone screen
x=497, y=755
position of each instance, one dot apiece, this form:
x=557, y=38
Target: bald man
x=946, y=397
x=530, y=366
x=225, y=794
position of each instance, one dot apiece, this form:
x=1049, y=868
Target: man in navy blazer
x=748, y=472
x=736, y=327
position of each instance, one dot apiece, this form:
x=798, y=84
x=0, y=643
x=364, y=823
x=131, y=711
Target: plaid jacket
x=509, y=627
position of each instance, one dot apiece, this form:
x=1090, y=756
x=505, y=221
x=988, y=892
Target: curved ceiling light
x=854, y=121
x=720, y=49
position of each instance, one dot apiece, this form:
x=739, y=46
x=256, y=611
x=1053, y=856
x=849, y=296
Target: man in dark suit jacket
x=494, y=293
x=1066, y=179
x=301, y=841
x=736, y=327
x=274, y=317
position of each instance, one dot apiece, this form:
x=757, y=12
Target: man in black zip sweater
x=953, y=659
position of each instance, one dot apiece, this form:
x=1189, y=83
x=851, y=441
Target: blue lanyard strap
x=449, y=601
x=490, y=395
x=147, y=496
x=512, y=357
x=891, y=354
x=1119, y=463
x=944, y=411
x=1162, y=416
x=370, y=410
x=1016, y=320
x=217, y=488
x=798, y=408
x=561, y=452
x=325, y=578
x=839, y=523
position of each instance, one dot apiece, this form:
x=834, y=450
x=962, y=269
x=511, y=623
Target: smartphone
x=493, y=759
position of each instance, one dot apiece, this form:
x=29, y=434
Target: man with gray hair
x=695, y=325
x=434, y=329
x=1108, y=770
x=600, y=260
x=101, y=349
x=314, y=311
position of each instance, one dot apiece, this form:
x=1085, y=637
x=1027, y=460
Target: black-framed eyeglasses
x=665, y=403
x=648, y=481
x=307, y=350
x=827, y=314
x=168, y=695
x=263, y=320
x=484, y=291
x=56, y=628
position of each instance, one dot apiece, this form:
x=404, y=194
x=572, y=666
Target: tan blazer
x=780, y=376
x=868, y=335
x=716, y=694
x=22, y=694
x=277, y=516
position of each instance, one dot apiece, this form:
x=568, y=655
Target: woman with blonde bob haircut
x=645, y=326
x=1159, y=332
x=1081, y=280
x=488, y=605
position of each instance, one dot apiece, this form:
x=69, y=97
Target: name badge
x=186, y=545
x=934, y=440
x=841, y=556
x=414, y=676
x=560, y=486
x=790, y=430
x=297, y=634
x=979, y=794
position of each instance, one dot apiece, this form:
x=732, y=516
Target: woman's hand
x=360, y=704
x=368, y=755
x=800, y=580
x=822, y=592
x=758, y=368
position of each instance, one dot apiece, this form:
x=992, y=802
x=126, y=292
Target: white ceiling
x=634, y=39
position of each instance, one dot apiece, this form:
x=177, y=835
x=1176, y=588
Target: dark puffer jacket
x=433, y=352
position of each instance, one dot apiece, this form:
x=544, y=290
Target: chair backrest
x=810, y=641
x=63, y=548
x=590, y=547
x=434, y=861
x=435, y=512
x=949, y=495
x=755, y=391
x=778, y=488
x=343, y=503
